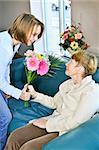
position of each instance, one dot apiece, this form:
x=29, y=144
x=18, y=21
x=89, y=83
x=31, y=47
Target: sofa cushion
x=22, y=115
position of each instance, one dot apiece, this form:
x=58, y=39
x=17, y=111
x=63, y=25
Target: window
x=56, y=15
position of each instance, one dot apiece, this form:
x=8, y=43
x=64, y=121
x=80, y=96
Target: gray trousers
x=29, y=137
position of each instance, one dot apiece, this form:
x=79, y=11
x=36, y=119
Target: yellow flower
x=74, y=45
x=39, y=56
x=61, y=35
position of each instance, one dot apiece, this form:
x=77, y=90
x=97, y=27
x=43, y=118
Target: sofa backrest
x=46, y=85
x=96, y=76
x=17, y=71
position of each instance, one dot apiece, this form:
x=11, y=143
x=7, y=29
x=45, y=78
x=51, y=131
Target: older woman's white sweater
x=74, y=104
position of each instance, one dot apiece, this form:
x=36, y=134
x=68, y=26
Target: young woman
x=25, y=29
x=75, y=103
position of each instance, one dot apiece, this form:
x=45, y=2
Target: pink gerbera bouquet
x=36, y=65
x=39, y=65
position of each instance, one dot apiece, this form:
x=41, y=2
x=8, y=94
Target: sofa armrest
x=85, y=137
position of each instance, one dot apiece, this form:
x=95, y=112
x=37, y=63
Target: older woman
x=25, y=29
x=76, y=102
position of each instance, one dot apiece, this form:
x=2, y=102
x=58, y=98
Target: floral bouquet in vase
x=73, y=39
x=39, y=65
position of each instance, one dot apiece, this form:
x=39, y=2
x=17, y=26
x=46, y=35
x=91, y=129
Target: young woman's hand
x=40, y=123
x=25, y=95
x=7, y=96
x=32, y=91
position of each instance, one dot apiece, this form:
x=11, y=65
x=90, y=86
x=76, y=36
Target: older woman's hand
x=32, y=91
x=25, y=95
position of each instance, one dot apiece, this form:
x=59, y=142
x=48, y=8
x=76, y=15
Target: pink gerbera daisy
x=32, y=63
x=43, y=68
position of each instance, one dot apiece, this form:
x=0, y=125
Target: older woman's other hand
x=41, y=123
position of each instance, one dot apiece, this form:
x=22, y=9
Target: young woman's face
x=71, y=68
x=34, y=36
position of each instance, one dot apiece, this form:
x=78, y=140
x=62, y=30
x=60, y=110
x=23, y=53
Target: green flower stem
x=26, y=104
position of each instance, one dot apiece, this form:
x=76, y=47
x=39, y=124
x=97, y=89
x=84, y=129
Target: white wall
x=1, y=17
x=10, y=9
x=87, y=13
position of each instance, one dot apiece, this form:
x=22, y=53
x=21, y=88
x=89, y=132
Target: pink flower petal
x=32, y=63
x=43, y=68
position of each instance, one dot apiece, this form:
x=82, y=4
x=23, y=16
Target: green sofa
x=85, y=137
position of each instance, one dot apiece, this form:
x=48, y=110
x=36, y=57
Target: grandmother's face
x=73, y=68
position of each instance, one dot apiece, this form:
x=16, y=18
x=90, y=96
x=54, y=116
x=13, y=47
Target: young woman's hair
x=23, y=25
x=87, y=60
